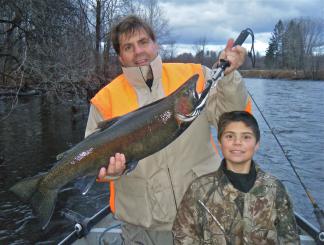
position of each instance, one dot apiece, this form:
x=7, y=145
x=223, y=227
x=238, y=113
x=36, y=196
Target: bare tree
x=64, y=45
x=168, y=50
x=200, y=49
x=151, y=11
x=11, y=40
x=313, y=38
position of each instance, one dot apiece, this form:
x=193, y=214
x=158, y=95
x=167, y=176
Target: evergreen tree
x=274, y=52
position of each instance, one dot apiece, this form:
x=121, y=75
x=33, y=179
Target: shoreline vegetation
x=282, y=74
x=6, y=92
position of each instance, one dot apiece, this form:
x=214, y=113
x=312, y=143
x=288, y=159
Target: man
x=147, y=199
x=239, y=203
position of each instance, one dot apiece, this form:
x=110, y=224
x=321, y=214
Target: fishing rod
x=218, y=73
x=319, y=214
x=83, y=224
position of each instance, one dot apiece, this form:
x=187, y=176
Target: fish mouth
x=200, y=102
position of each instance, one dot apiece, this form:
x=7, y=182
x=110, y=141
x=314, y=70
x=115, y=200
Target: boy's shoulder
x=267, y=178
x=205, y=181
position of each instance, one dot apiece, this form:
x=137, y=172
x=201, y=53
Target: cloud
x=218, y=20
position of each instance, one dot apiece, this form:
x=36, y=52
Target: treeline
x=64, y=45
x=297, y=44
x=55, y=46
x=295, y=51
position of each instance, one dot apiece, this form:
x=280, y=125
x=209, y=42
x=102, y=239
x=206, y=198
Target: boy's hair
x=238, y=116
x=129, y=25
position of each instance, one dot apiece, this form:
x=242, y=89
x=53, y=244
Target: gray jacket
x=150, y=194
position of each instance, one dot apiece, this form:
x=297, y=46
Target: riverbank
x=86, y=90
x=283, y=74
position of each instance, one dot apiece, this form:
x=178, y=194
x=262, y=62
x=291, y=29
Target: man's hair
x=238, y=116
x=128, y=26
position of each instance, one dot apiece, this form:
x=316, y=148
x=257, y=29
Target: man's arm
x=287, y=227
x=230, y=93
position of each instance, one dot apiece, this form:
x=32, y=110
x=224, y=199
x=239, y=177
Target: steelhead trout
x=137, y=134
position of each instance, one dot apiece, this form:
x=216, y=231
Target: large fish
x=137, y=134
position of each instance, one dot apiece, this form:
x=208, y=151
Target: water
x=295, y=112
x=39, y=129
x=30, y=138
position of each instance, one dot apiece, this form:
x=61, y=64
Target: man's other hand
x=116, y=166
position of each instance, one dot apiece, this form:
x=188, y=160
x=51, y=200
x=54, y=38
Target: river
x=40, y=128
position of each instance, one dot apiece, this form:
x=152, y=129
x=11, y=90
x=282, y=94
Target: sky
x=218, y=20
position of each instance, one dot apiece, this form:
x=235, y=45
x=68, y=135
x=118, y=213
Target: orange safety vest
x=119, y=97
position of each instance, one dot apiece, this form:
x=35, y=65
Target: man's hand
x=115, y=167
x=235, y=55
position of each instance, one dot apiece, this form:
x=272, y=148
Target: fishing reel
x=218, y=71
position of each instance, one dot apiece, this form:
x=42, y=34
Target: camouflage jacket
x=213, y=212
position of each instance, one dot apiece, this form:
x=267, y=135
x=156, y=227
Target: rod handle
x=242, y=37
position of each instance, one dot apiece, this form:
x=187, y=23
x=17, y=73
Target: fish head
x=186, y=101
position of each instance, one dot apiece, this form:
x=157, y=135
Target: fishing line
x=251, y=54
x=283, y=151
x=101, y=237
x=174, y=196
x=317, y=211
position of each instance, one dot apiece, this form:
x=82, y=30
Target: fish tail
x=42, y=199
x=25, y=188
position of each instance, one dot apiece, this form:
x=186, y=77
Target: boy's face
x=137, y=49
x=238, y=144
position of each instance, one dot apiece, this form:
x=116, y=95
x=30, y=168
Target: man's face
x=137, y=49
x=238, y=144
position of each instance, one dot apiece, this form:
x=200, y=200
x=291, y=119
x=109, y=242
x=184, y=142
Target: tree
x=65, y=45
x=199, y=48
x=151, y=11
x=295, y=44
x=269, y=60
x=313, y=41
x=168, y=50
x=274, y=52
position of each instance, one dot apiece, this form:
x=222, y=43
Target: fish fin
x=25, y=188
x=61, y=155
x=43, y=204
x=130, y=167
x=107, y=123
x=85, y=183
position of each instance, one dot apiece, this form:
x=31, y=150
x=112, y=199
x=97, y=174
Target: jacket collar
x=137, y=75
x=225, y=184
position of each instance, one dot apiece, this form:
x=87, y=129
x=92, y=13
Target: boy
x=239, y=203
